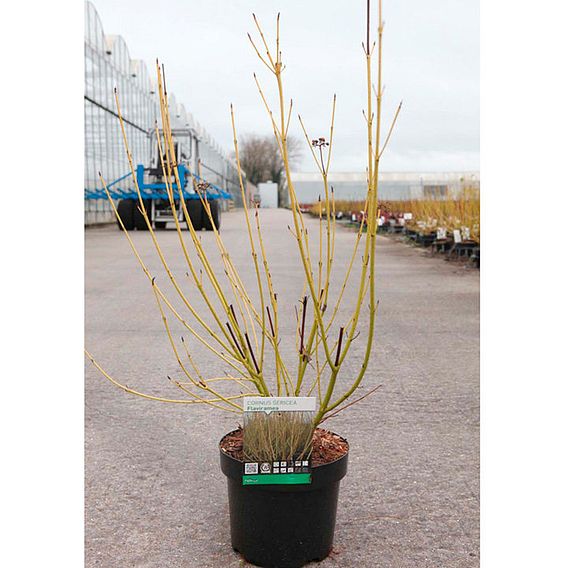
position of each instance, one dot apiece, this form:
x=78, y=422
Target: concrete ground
x=155, y=496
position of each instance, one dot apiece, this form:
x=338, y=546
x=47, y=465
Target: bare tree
x=261, y=161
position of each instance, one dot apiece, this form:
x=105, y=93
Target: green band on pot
x=278, y=479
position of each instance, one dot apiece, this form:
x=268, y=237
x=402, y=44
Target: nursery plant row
x=448, y=226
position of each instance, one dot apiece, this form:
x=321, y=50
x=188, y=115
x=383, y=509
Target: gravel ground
x=155, y=496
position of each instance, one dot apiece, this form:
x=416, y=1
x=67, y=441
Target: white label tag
x=270, y=404
x=457, y=236
x=408, y=216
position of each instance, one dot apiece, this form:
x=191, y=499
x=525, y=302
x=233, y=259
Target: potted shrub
x=285, y=523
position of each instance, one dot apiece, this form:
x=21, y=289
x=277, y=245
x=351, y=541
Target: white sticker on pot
x=251, y=468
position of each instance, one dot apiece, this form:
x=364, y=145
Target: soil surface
x=327, y=446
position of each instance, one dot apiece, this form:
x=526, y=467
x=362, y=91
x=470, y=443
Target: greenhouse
x=352, y=186
x=108, y=65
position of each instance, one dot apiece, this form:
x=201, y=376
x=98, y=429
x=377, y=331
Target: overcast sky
x=431, y=62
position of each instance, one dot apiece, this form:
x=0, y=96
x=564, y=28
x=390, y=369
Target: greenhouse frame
x=108, y=65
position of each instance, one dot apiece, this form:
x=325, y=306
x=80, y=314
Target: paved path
x=155, y=497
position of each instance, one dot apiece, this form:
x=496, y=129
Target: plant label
x=277, y=440
x=270, y=404
x=408, y=216
x=292, y=473
x=457, y=236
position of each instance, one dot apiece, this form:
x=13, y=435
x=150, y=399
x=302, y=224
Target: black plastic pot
x=283, y=526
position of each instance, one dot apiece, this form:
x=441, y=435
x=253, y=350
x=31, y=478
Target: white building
x=392, y=185
x=268, y=193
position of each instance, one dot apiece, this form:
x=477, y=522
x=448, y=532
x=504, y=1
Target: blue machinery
x=156, y=201
x=157, y=190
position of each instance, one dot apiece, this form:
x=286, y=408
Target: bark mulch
x=327, y=446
